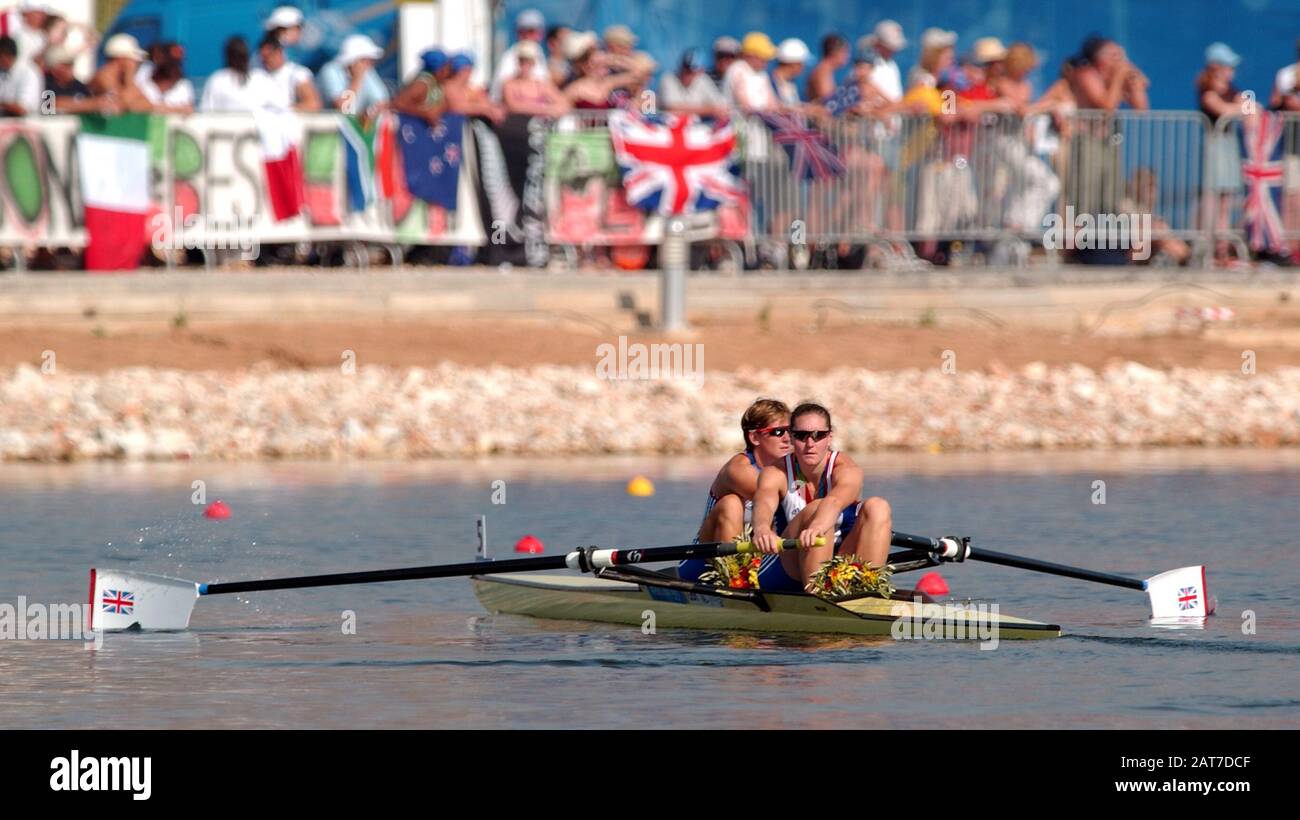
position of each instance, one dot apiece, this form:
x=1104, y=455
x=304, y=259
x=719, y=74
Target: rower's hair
x=807, y=407
x=762, y=413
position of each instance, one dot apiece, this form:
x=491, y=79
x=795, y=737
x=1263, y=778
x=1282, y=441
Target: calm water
x=426, y=655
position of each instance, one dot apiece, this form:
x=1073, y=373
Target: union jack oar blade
x=136, y=600
x=1180, y=597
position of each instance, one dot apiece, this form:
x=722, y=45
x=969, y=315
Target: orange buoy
x=932, y=584
x=530, y=544
x=217, y=511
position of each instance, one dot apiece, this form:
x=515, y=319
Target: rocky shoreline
x=454, y=411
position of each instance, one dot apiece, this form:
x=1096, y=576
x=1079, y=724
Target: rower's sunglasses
x=804, y=435
x=774, y=432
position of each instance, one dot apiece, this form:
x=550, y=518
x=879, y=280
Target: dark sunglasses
x=804, y=435
x=774, y=432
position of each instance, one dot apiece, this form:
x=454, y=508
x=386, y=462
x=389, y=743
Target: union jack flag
x=811, y=154
x=1261, y=171
x=673, y=164
x=118, y=601
x=1187, y=598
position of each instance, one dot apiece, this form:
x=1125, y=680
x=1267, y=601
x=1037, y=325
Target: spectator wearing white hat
x=285, y=24
x=27, y=28
x=791, y=59
x=349, y=82
x=71, y=96
x=238, y=86
x=938, y=53
x=116, y=77
x=883, y=43
x=530, y=26
x=20, y=84
x=293, y=82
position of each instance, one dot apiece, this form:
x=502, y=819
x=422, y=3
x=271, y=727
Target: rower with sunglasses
x=812, y=493
x=765, y=426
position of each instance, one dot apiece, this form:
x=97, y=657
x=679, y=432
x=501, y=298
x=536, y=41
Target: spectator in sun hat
x=27, y=28
x=1286, y=85
x=938, y=53
x=885, y=41
x=349, y=82
x=530, y=26
x=285, y=24
x=71, y=96
x=726, y=50
x=791, y=59
x=747, y=84
x=556, y=63
x=1218, y=97
x=116, y=77
x=835, y=55
x=165, y=85
x=690, y=90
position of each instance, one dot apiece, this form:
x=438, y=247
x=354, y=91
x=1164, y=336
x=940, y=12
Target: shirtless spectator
x=116, y=78
x=464, y=97
x=835, y=55
x=525, y=94
x=691, y=90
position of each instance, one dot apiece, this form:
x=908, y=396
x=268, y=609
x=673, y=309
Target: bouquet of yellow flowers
x=738, y=571
x=847, y=575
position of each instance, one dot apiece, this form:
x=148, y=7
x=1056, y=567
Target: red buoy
x=217, y=511
x=932, y=584
x=530, y=544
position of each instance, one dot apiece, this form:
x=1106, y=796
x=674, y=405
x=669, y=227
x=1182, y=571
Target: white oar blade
x=1180, y=596
x=123, y=600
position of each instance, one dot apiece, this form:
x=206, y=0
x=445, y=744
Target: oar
x=137, y=600
x=1174, y=595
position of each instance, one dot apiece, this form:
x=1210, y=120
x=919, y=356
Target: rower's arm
x=740, y=477
x=767, y=495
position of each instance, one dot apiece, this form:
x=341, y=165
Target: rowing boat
x=615, y=588
x=633, y=597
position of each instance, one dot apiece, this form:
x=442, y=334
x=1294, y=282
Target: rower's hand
x=767, y=541
x=822, y=526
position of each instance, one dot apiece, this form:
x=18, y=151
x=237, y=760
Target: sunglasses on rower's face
x=774, y=432
x=804, y=435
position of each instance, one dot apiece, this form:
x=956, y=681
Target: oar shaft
x=586, y=560
x=990, y=557
x=921, y=542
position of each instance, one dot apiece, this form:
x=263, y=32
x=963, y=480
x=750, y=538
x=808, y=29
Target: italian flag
x=285, y=189
x=113, y=163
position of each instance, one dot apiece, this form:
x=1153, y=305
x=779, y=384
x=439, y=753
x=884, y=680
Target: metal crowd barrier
x=1143, y=182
